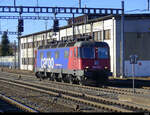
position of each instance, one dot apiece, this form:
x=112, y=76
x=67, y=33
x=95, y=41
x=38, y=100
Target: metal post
x=122, y=42
x=14, y=3
x=15, y=52
x=133, y=61
x=85, y=22
x=133, y=74
x=46, y=32
x=79, y=3
x=73, y=25
x=148, y=5
x=55, y=19
x=19, y=34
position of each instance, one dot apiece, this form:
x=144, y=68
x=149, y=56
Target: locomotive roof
x=90, y=44
x=75, y=43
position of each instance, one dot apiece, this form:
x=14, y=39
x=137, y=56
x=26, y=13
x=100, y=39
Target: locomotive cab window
x=56, y=55
x=102, y=53
x=87, y=52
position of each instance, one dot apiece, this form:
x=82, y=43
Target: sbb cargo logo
x=47, y=63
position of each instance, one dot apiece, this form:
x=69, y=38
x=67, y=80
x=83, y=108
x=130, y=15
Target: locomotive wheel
x=62, y=80
x=79, y=83
x=49, y=76
x=37, y=74
x=53, y=77
x=79, y=80
x=59, y=78
x=69, y=79
x=40, y=76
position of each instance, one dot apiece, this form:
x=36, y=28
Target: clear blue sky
x=32, y=26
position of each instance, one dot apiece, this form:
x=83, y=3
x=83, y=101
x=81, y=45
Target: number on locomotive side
x=47, y=63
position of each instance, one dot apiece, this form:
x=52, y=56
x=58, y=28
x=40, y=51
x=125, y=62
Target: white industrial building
x=107, y=29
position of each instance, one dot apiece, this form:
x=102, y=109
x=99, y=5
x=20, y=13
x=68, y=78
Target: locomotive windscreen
x=86, y=52
x=103, y=53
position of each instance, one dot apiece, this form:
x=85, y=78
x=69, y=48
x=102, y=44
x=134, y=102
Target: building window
x=30, y=61
x=30, y=45
x=39, y=43
x=26, y=45
x=22, y=46
x=107, y=34
x=26, y=61
x=35, y=44
x=23, y=61
x=99, y=36
x=95, y=36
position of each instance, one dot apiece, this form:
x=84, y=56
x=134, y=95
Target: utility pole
x=46, y=32
x=122, y=42
x=14, y=3
x=37, y=4
x=20, y=29
x=79, y=3
x=15, y=52
x=73, y=26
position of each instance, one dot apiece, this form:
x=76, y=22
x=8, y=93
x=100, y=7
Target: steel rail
x=110, y=101
x=105, y=89
x=17, y=104
x=77, y=97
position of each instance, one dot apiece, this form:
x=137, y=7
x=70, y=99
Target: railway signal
x=133, y=61
x=56, y=25
x=20, y=25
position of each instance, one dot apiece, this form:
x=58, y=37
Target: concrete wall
x=141, y=68
x=137, y=43
x=137, y=39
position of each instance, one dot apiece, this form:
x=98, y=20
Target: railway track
x=148, y=88
x=68, y=95
x=9, y=105
x=107, y=89
x=92, y=100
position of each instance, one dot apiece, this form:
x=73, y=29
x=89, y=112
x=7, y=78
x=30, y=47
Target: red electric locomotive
x=92, y=60
x=82, y=62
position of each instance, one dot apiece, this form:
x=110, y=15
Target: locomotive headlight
x=106, y=67
x=87, y=67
